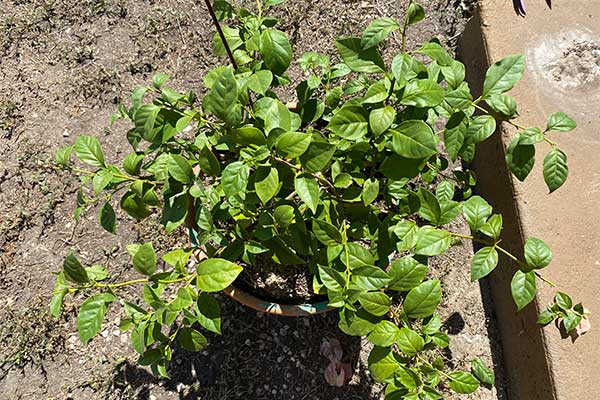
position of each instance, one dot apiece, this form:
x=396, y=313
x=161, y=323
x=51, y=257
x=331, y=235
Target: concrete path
x=562, y=46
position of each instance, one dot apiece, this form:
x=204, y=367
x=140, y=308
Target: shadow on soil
x=233, y=366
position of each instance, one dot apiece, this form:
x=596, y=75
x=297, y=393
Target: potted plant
x=347, y=185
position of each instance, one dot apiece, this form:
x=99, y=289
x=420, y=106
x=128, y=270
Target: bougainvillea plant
x=350, y=180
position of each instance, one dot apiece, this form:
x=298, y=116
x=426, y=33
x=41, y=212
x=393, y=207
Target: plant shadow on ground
x=233, y=365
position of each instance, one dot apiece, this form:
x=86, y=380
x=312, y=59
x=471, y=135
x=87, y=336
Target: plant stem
x=403, y=34
x=511, y=122
x=520, y=263
x=221, y=34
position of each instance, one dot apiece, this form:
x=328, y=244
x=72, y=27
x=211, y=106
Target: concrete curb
x=539, y=363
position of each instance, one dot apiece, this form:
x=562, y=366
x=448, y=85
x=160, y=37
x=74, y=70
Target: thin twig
x=221, y=35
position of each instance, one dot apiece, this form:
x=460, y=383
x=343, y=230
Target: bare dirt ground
x=64, y=65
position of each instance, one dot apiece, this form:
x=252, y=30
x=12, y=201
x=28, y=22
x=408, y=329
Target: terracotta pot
x=266, y=306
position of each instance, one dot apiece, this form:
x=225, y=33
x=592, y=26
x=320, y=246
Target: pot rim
x=266, y=306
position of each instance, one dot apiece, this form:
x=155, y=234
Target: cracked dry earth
x=64, y=66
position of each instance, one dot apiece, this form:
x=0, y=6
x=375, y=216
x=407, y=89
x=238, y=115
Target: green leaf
x=180, y=169
x=483, y=373
x=437, y=53
x=530, y=136
x=571, y=321
x=293, y=144
x=546, y=317
x=440, y=339
x=308, y=190
x=433, y=325
x=87, y=149
x=159, y=79
x=284, y=215
x=271, y=3
x=144, y=119
x=503, y=75
x=380, y=119
x=523, y=288
x=274, y=114
x=326, y=233
x=144, y=260
x=414, y=139
x=454, y=74
x=58, y=297
x=407, y=232
x=191, y=340
x=91, y=314
x=370, y=191
x=445, y=191
x=369, y=277
x=476, y=211
x=276, y=50
x=358, y=256
x=502, y=104
x=73, y=270
x=463, y=382
x=520, y=158
x=63, y=155
x=359, y=59
x=132, y=163
x=563, y=300
x=260, y=81
x=332, y=279
x=409, y=342
x=208, y=162
x=350, y=122
x=216, y=274
x=317, y=156
x=555, y=169
x=422, y=93
x=483, y=262
x=96, y=273
x=108, y=217
x=359, y=323
x=268, y=187
x=177, y=258
x=376, y=303
x=430, y=207
x=422, y=301
x=432, y=242
x=382, y=363
x=493, y=227
x=209, y=313
x=101, y=180
x=222, y=98
x=182, y=300
x=174, y=212
x=384, y=334
x=235, y=179
x=560, y=122
x=406, y=273
x=376, y=93
x=377, y=31
x=480, y=128
x=248, y=135
x=415, y=13
x=537, y=253
x=454, y=134
x=133, y=205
